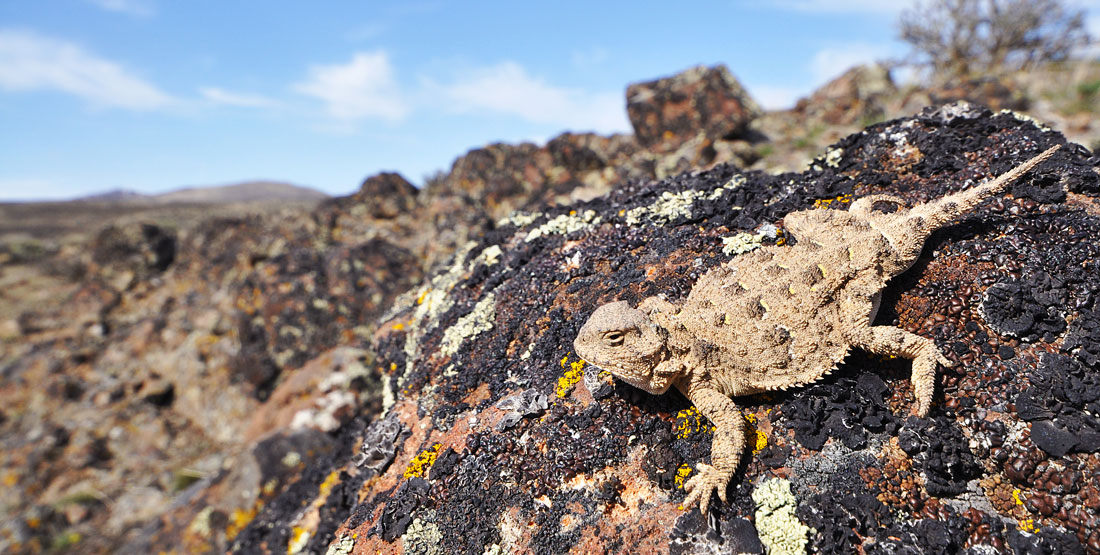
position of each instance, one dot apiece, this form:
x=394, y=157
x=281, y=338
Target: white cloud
x=362, y=88
x=30, y=188
x=828, y=63
x=32, y=62
x=222, y=96
x=1092, y=25
x=142, y=8
x=506, y=88
x=776, y=98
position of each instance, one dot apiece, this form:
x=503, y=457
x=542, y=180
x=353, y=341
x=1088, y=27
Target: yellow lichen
x=1016, y=496
x=330, y=480
x=829, y=202
x=689, y=422
x=574, y=373
x=761, y=442
x=240, y=518
x=299, y=537
x=681, y=475
x=1028, y=525
x=421, y=463
x=761, y=438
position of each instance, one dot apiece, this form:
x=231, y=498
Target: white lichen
x=565, y=223
x=479, y=320
x=779, y=529
x=832, y=158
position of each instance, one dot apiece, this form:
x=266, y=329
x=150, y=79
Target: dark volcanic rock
x=668, y=112
x=295, y=384
x=382, y=196
x=141, y=250
x=858, y=95
x=475, y=475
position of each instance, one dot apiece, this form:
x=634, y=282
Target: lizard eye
x=613, y=338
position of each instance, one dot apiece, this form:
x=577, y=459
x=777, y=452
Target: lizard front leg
x=725, y=450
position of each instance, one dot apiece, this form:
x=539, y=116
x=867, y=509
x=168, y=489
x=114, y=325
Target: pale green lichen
x=779, y=529
x=489, y=256
x=741, y=243
x=200, y=525
x=291, y=459
x=832, y=158
x=479, y=320
x=423, y=537
x=342, y=546
x=565, y=223
x=519, y=219
x=387, y=394
x=1025, y=118
x=672, y=206
x=431, y=301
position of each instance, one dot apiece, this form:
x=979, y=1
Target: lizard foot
x=700, y=486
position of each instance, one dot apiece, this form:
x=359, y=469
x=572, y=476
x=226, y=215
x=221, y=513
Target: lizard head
x=627, y=343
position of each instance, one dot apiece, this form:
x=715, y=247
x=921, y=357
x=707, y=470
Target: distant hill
x=251, y=191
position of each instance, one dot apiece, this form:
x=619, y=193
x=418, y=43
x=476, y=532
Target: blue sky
x=153, y=95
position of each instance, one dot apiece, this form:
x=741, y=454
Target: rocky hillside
x=392, y=370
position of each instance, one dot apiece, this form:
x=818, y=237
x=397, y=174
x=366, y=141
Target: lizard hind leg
x=863, y=206
x=891, y=341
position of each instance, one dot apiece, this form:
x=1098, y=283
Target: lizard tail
x=908, y=233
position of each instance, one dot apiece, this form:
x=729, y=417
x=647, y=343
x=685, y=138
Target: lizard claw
x=700, y=487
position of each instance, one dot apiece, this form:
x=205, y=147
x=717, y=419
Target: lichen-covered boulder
x=858, y=95
x=703, y=102
x=493, y=437
x=122, y=254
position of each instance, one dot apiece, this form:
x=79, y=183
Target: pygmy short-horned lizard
x=779, y=317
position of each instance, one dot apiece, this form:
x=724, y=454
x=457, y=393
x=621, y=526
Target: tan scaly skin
x=779, y=317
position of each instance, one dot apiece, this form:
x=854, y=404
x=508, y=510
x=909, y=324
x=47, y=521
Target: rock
x=493, y=328
x=859, y=95
x=988, y=91
x=140, y=250
x=501, y=178
x=334, y=376
x=668, y=112
x=383, y=196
